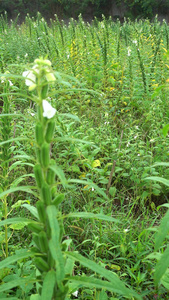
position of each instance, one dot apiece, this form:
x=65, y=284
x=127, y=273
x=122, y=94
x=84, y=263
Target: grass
x=111, y=117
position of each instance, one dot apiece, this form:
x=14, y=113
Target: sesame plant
x=50, y=252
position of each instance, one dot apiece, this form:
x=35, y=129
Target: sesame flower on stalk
x=48, y=110
x=30, y=76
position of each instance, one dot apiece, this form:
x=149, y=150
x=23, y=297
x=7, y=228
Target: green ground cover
x=111, y=101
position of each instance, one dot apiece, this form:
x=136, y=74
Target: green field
x=90, y=222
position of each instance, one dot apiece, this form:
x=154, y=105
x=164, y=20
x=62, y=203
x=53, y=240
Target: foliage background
x=88, y=8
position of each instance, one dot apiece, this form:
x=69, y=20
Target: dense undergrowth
x=108, y=138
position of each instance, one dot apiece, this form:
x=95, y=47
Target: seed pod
x=50, y=178
x=54, y=191
x=35, y=238
x=41, y=264
x=46, y=194
x=43, y=241
x=51, y=261
x=35, y=227
x=45, y=154
x=39, y=134
x=44, y=91
x=58, y=199
x=41, y=211
x=38, y=154
x=38, y=175
x=49, y=131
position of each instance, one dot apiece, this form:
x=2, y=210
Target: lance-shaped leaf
x=161, y=266
x=114, y=284
x=48, y=285
x=54, y=243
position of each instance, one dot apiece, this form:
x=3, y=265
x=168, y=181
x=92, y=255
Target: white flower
x=32, y=114
x=26, y=55
x=126, y=230
x=102, y=25
x=75, y=294
x=48, y=110
x=30, y=76
x=135, y=42
x=92, y=189
x=129, y=51
x=10, y=83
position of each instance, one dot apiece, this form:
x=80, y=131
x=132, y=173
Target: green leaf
x=10, y=298
x=115, y=283
x=13, y=140
x=164, y=164
x=10, y=285
x=112, y=191
x=14, y=221
x=26, y=189
x=90, y=184
x=4, y=272
x=157, y=90
x=35, y=297
x=32, y=209
x=67, y=138
x=48, y=285
x=87, y=215
x=20, y=163
x=70, y=116
x=11, y=259
x=18, y=226
x=100, y=284
x=165, y=130
x=101, y=296
x=6, y=115
x=159, y=179
x=162, y=231
x=165, y=280
x=59, y=172
x=54, y=243
x=161, y=266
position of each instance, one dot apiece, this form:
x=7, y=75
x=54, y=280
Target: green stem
x=6, y=227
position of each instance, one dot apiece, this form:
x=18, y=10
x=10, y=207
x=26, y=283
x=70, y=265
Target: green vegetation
x=84, y=181
x=88, y=8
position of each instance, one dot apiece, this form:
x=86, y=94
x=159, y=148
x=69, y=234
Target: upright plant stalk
x=142, y=71
x=5, y=156
x=48, y=232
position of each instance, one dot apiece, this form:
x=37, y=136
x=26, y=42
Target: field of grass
x=108, y=154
